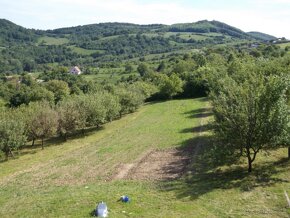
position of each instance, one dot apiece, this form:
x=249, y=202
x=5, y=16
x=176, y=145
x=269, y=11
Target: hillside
x=11, y=33
x=262, y=36
x=209, y=27
x=30, y=50
x=67, y=179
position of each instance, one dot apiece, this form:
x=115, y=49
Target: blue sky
x=269, y=16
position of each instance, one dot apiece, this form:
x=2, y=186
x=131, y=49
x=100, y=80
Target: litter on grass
x=102, y=210
x=125, y=198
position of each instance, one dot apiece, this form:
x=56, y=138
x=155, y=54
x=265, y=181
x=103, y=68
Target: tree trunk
x=10, y=152
x=249, y=164
x=288, y=152
x=250, y=161
x=241, y=151
x=33, y=141
x=42, y=147
x=6, y=155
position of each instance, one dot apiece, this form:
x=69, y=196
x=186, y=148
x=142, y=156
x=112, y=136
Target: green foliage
x=68, y=117
x=129, y=68
x=112, y=105
x=205, y=26
x=40, y=93
x=12, y=33
x=183, y=66
x=33, y=50
x=161, y=67
x=145, y=89
x=129, y=101
x=42, y=121
x=21, y=96
x=24, y=92
x=169, y=86
x=96, y=109
x=12, y=132
x=250, y=111
x=59, y=88
x=195, y=83
x=143, y=69
x=262, y=36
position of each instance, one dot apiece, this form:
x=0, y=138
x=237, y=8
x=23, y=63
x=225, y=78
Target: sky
x=268, y=16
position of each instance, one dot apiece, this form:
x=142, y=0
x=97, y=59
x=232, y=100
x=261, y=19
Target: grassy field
x=192, y=36
x=52, y=40
x=83, y=51
x=284, y=45
x=110, y=77
x=68, y=179
x=110, y=74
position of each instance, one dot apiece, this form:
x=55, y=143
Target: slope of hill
x=11, y=33
x=87, y=45
x=261, y=36
x=205, y=26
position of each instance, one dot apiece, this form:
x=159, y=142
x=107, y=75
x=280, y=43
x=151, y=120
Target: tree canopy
x=251, y=111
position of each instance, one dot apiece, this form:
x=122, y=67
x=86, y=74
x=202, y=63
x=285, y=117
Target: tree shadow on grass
x=93, y=213
x=198, y=129
x=199, y=113
x=211, y=170
x=59, y=140
x=52, y=142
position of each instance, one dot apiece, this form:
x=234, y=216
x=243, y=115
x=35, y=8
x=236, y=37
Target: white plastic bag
x=102, y=210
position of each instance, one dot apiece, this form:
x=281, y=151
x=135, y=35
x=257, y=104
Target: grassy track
x=67, y=179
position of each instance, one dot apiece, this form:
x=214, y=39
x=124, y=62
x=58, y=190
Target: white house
x=75, y=70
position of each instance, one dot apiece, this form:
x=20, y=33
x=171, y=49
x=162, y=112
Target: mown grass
x=68, y=179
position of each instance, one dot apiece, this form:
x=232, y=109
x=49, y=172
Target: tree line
x=43, y=119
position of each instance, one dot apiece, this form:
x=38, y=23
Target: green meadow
x=68, y=179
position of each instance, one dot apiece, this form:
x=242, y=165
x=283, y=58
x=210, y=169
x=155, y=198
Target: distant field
x=166, y=54
x=52, y=40
x=68, y=179
x=107, y=76
x=83, y=51
x=151, y=34
x=109, y=38
x=193, y=36
x=284, y=45
x=213, y=34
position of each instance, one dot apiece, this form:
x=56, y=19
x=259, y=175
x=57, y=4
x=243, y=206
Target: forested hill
x=12, y=33
x=24, y=49
x=110, y=29
x=261, y=36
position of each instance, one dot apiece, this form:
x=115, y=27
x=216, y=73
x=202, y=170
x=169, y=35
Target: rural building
x=75, y=70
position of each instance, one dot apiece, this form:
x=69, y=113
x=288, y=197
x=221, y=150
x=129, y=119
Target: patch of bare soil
x=123, y=171
x=160, y=165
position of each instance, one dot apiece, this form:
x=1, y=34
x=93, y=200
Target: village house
x=75, y=70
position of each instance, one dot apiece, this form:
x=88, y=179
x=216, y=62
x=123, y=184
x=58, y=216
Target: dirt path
x=163, y=165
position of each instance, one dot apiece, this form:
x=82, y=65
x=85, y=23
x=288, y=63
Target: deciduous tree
x=250, y=112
